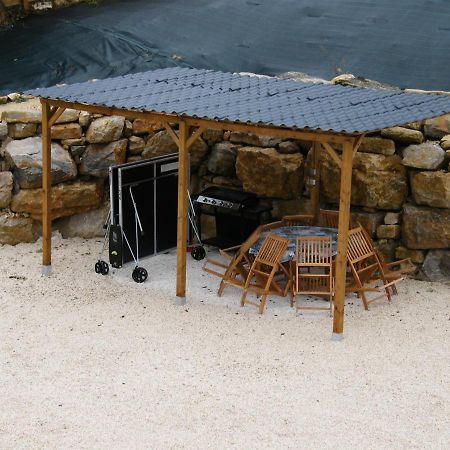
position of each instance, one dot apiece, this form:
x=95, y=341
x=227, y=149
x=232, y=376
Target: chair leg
x=262, y=303
x=364, y=300
x=221, y=289
x=243, y=296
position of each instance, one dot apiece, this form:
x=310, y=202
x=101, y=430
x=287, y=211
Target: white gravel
x=93, y=362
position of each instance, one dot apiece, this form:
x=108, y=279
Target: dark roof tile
x=252, y=99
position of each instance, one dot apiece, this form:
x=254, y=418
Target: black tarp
x=402, y=42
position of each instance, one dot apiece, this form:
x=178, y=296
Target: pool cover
x=404, y=43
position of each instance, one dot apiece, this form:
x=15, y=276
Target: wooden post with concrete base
x=315, y=190
x=341, y=259
x=46, y=190
x=182, y=212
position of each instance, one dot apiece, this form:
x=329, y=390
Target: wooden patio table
x=291, y=233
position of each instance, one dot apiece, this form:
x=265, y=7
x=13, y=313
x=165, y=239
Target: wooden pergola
x=190, y=128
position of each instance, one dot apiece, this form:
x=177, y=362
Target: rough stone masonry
x=400, y=187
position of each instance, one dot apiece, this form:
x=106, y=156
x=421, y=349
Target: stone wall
x=400, y=188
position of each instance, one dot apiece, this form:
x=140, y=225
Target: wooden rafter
x=55, y=115
x=171, y=132
x=332, y=152
x=194, y=136
x=357, y=144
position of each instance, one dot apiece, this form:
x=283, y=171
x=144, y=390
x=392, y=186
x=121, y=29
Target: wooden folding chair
x=239, y=262
x=366, y=269
x=261, y=278
x=272, y=225
x=298, y=220
x=392, y=270
x=330, y=218
x=313, y=273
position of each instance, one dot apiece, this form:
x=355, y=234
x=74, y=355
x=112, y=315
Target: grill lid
x=227, y=198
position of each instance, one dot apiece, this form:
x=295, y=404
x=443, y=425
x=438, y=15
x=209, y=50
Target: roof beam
x=110, y=111
x=287, y=133
x=316, y=136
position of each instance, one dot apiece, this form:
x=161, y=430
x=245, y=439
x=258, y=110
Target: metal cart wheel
x=101, y=267
x=139, y=274
x=198, y=253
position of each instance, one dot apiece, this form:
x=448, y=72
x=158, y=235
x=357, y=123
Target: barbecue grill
x=236, y=214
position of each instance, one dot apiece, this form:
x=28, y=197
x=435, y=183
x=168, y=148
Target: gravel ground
x=98, y=362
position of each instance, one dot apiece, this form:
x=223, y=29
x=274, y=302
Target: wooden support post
x=182, y=211
x=46, y=190
x=315, y=190
x=341, y=259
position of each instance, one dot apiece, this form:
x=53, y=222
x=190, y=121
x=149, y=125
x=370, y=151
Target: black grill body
x=236, y=214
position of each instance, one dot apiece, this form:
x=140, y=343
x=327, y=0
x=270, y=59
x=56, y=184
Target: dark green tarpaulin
x=402, y=42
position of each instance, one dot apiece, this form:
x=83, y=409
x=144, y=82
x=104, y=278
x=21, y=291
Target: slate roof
x=257, y=100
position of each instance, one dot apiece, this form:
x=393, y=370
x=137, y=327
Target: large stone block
x=436, y=266
x=136, y=145
x=162, y=144
x=378, y=181
x=105, y=129
x=377, y=145
x=222, y=160
x=388, y=231
x=3, y=130
x=142, y=126
x=425, y=228
x=428, y=155
x=369, y=220
x=212, y=136
x=6, y=185
x=254, y=139
x=21, y=130
x=66, y=131
x=402, y=135
x=23, y=115
x=86, y=225
x=25, y=157
x=416, y=256
x=445, y=142
x=97, y=158
x=431, y=189
x=15, y=228
x=289, y=147
x=66, y=199
x=269, y=173
x=438, y=127
x=282, y=208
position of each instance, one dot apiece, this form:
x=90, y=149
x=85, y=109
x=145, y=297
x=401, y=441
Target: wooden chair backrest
x=314, y=251
x=271, y=226
x=272, y=250
x=299, y=219
x=358, y=248
x=329, y=218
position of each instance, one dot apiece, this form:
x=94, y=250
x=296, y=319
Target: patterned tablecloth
x=291, y=233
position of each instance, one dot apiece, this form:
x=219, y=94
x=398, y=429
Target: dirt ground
x=93, y=362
